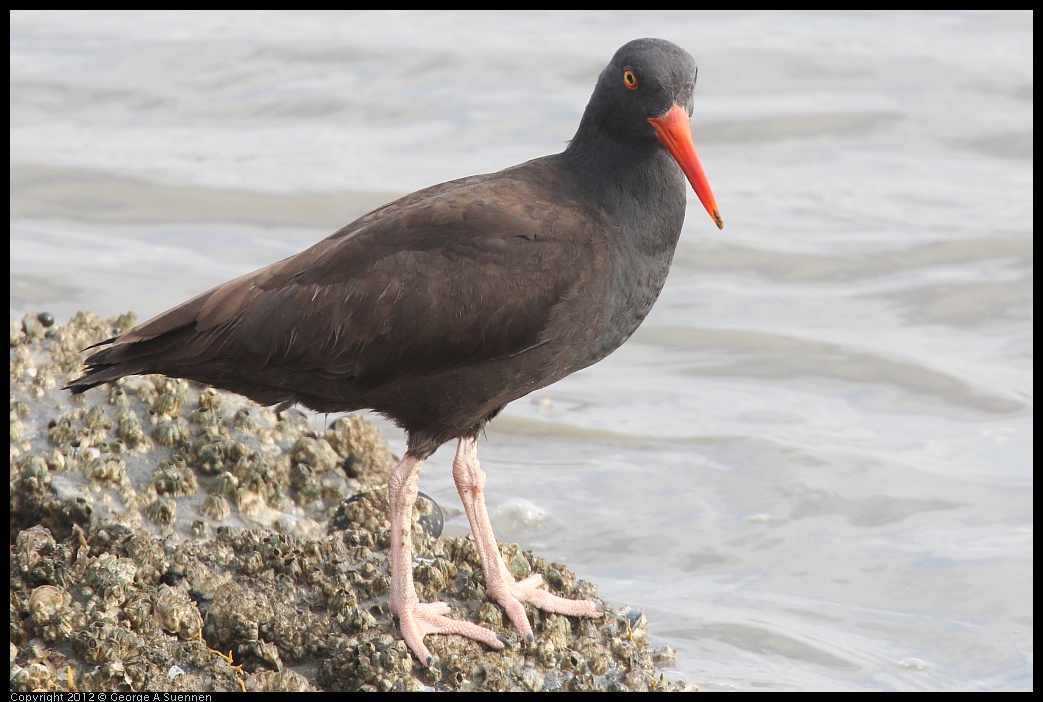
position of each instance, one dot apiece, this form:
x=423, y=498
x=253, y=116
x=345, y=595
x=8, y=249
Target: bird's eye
x=630, y=78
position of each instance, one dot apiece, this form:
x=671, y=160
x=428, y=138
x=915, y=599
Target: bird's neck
x=636, y=183
x=641, y=190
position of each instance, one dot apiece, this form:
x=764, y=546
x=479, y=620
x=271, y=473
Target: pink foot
x=425, y=618
x=512, y=595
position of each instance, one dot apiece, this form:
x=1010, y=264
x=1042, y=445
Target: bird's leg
x=500, y=584
x=416, y=619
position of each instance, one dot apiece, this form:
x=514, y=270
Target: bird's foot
x=423, y=618
x=512, y=595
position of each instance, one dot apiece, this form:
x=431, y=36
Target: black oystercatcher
x=440, y=308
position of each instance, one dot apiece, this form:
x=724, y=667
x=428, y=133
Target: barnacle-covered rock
x=281, y=681
x=33, y=677
x=188, y=545
x=129, y=428
x=176, y=613
x=170, y=432
x=361, y=448
x=215, y=507
x=162, y=510
x=104, y=471
x=174, y=477
x=46, y=603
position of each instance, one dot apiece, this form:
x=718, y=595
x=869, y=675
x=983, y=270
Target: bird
x=443, y=306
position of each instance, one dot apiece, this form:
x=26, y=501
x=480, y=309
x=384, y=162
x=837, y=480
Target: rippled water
x=811, y=467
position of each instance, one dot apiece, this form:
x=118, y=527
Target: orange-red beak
x=676, y=134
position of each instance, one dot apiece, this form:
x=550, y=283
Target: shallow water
x=812, y=465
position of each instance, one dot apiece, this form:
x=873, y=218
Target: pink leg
x=416, y=619
x=502, y=588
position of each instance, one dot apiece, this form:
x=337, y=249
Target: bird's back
x=438, y=308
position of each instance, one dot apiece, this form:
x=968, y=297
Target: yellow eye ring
x=629, y=78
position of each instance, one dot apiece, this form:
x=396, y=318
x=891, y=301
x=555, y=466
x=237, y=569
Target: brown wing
x=465, y=272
